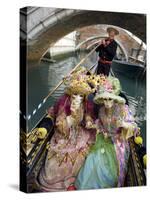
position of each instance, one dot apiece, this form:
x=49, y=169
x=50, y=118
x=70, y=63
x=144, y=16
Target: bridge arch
x=47, y=25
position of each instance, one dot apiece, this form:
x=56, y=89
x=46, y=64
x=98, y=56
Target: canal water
x=42, y=79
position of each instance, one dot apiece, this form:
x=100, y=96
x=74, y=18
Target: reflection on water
x=42, y=79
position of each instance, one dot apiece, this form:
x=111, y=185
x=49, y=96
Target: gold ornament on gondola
x=138, y=140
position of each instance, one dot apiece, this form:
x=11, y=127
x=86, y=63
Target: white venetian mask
x=76, y=102
x=108, y=103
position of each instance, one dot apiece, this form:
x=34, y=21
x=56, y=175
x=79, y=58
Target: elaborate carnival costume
x=106, y=164
x=71, y=140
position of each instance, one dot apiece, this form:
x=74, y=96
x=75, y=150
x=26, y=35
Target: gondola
x=31, y=160
x=34, y=148
x=127, y=69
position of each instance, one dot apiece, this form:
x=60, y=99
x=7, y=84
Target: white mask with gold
x=76, y=109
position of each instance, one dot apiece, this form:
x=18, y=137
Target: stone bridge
x=42, y=27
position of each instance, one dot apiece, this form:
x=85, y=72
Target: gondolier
x=107, y=51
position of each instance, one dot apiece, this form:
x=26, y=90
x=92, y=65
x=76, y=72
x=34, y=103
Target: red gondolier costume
x=106, y=55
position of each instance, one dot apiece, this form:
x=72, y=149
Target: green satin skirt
x=100, y=169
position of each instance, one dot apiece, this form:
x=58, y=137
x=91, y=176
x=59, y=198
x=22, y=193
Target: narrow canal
x=42, y=79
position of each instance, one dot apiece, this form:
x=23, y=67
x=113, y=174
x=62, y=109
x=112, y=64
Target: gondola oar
x=61, y=82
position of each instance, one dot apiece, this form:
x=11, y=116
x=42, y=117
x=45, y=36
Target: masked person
x=107, y=51
x=71, y=140
x=106, y=164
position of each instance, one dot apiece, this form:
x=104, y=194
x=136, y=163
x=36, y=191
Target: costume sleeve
x=124, y=116
x=128, y=117
x=129, y=120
